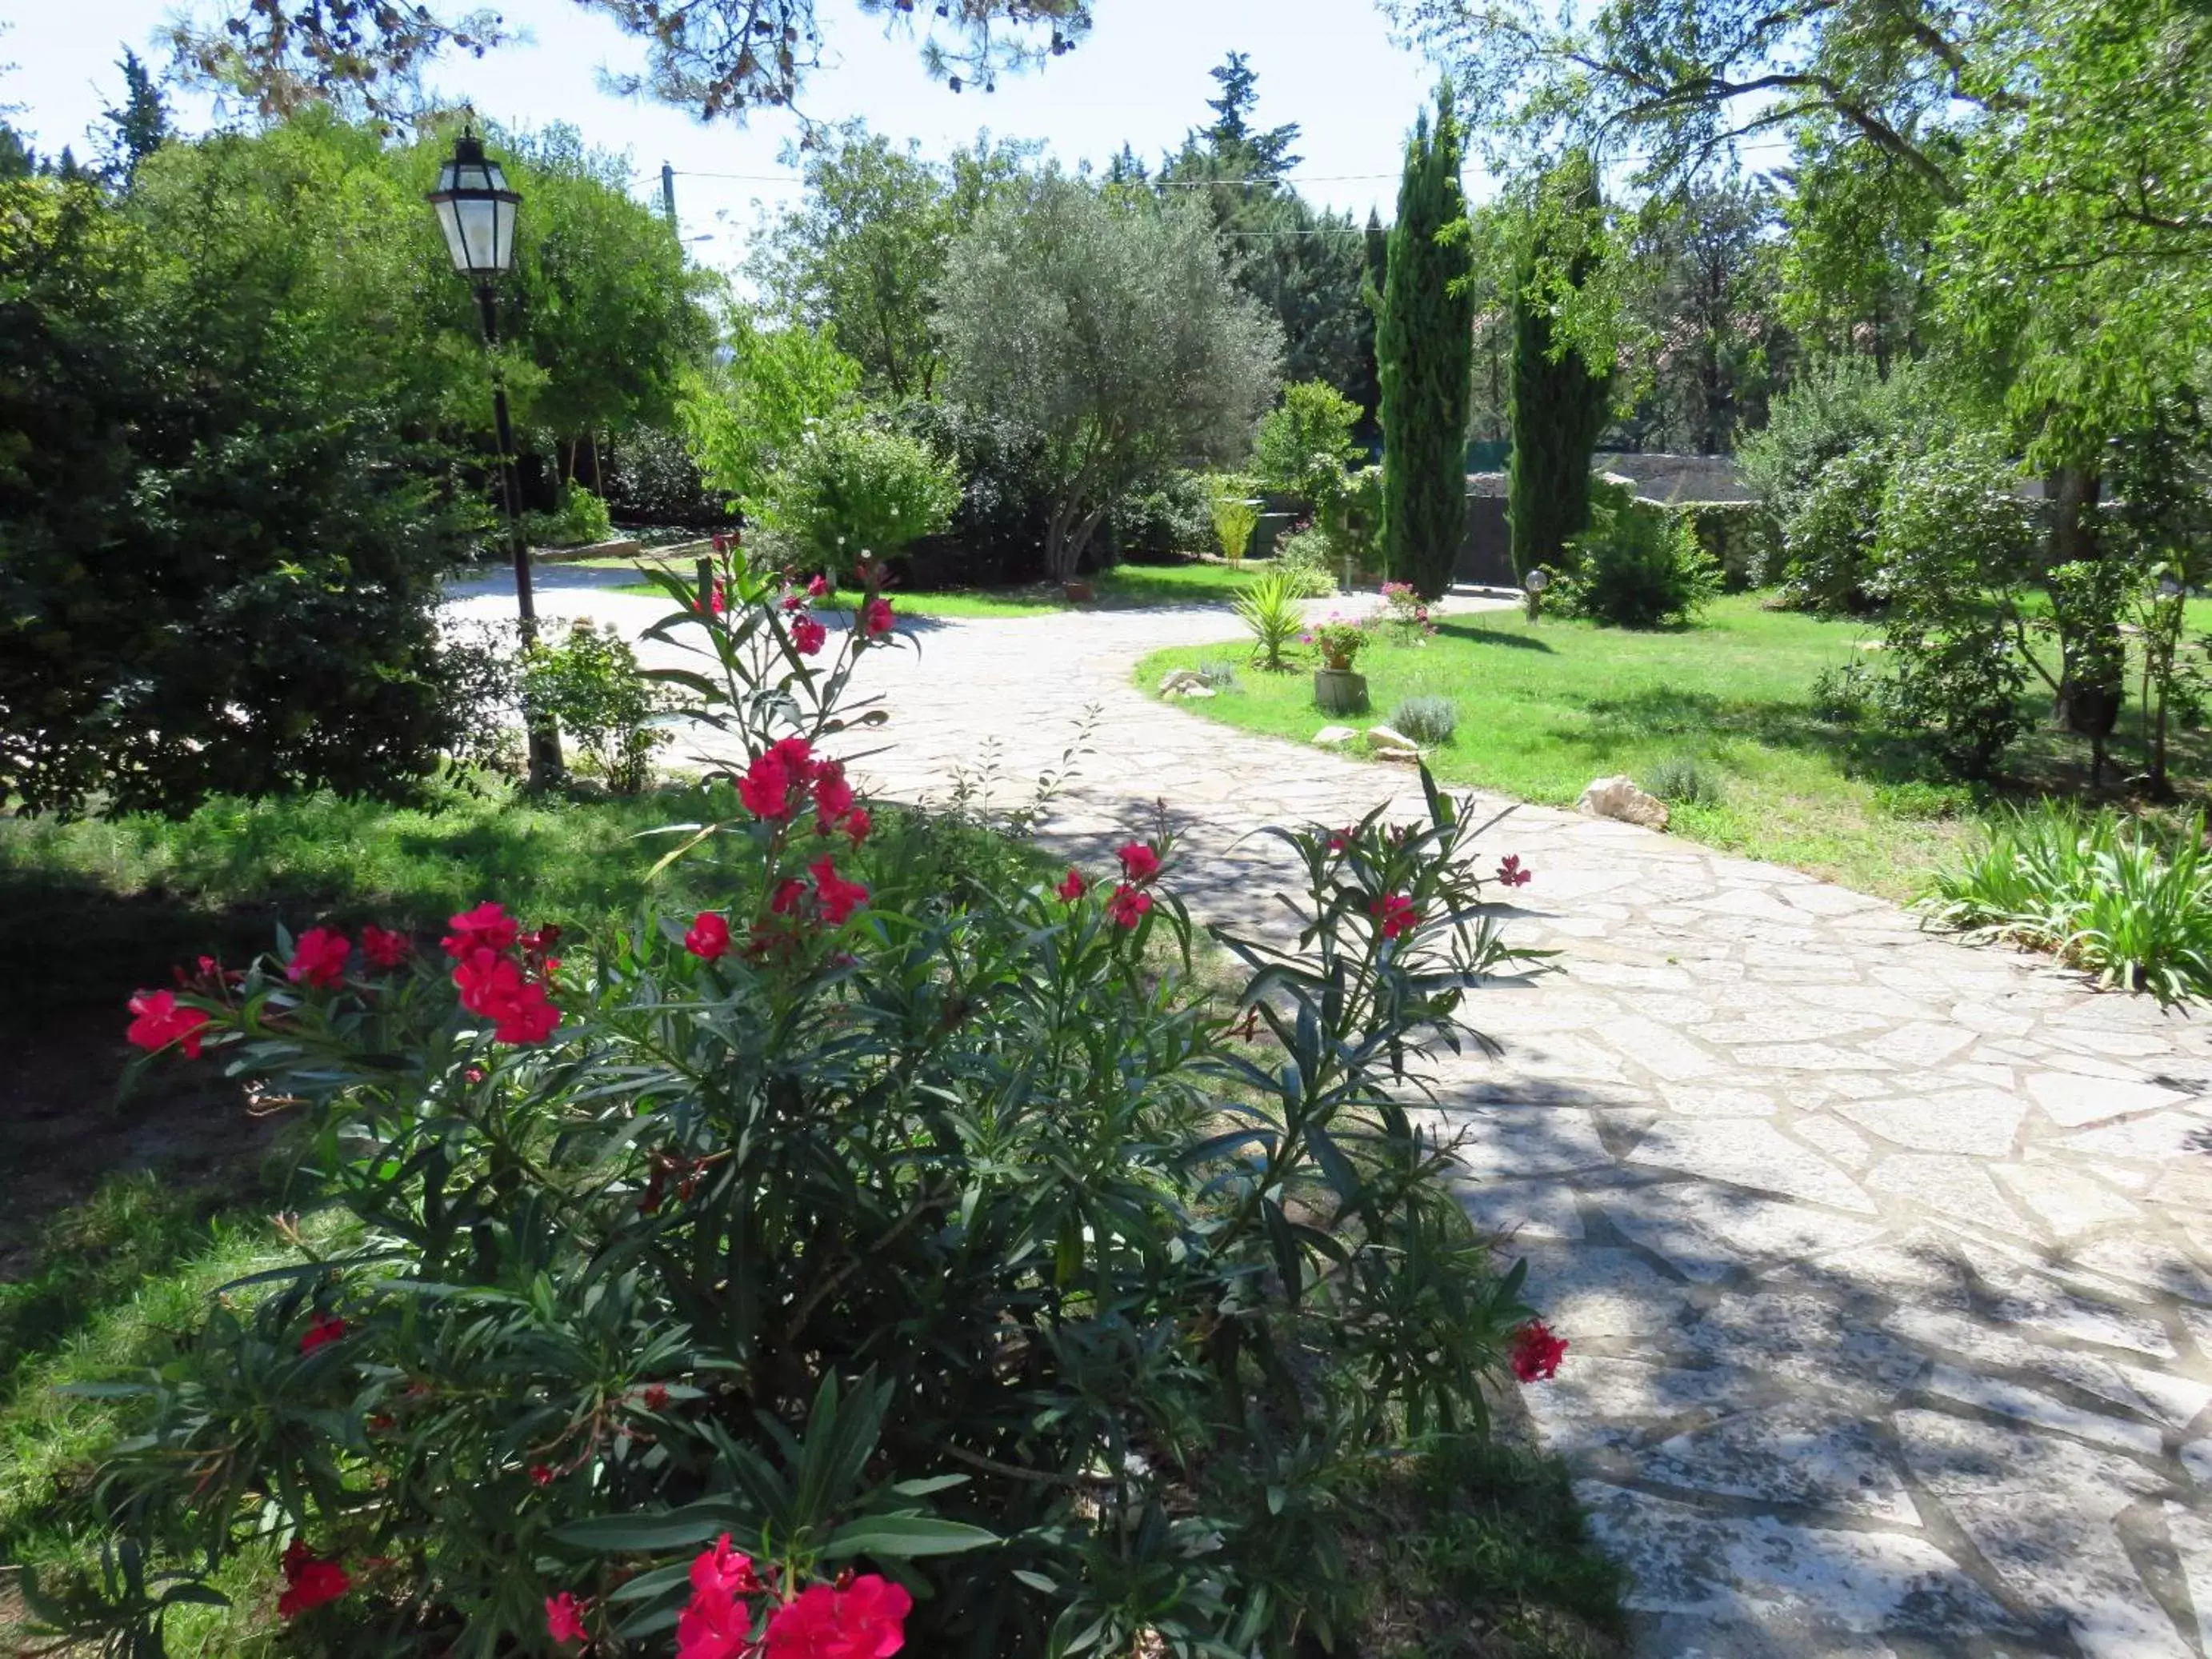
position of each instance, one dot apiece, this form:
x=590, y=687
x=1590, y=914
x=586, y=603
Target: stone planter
x=1340, y=692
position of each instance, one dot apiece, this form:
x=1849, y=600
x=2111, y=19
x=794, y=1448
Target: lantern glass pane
x=503, y=235
x=449, y=220
x=479, y=217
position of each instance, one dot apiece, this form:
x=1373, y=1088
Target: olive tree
x=1103, y=323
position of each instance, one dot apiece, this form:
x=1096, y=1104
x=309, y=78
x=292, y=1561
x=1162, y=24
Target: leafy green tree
x=1104, y=325
x=744, y=417
x=1560, y=403
x=1423, y=343
x=851, y=491
x=1304, y=443
x=1268, y=149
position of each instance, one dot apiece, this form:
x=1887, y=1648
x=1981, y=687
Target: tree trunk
x=2091, y=686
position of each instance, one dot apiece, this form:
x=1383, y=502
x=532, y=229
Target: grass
x=1124, y=587
x=1545, y=707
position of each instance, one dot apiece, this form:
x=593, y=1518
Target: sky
x=1140, y=76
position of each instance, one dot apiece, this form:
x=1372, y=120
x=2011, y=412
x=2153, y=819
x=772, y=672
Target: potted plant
x=1336, y=688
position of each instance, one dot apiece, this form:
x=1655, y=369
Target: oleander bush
x=960, y=1244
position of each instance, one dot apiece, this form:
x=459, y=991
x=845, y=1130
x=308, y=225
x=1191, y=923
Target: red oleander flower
x=721, y=543
x=788, y=892
x=540, y=1475
x=318, y=957
x=832, y=795
x=794, y=602
x=709, y=936
x=865, y=1619
x=818, y=586
x=564, y=1618
x=158, y=1021
x=1396, y=913
x=809, y=635
x=322, y=1330
x=309, y=1581
x=656, y=1397
x=1536, y=1352
x=1127, y=906
x=876, y=618
x=718, y=601
x=766, y=789
x=1338, y=840
x=838, y=897
x=494, y=987
x=717, y=1624
x=530, y=1018
x=857, y=826
x=1140, y=863
x=1071, y=884
x=383, y=947
x=1510, y=872
x=486, y=927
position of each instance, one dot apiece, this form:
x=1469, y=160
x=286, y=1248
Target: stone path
x=1886, y=1261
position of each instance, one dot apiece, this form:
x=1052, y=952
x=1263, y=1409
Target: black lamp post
x=475, y=209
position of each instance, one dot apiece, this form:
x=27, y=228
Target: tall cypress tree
x=1424, y=354
x=1558, y=405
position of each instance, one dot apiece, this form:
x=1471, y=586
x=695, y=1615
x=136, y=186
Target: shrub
x=1843, y=694
x=1830, y=563
x=2111, y=895
x=1636, y=566
x=1684, y=780
x=997, y=532
x=1955, y=545
x=1307, y=559
x=581, y=521
x=858, y=1225
x=1741, y=537
x=1427, y=719
x=1304, y=443
x=1221, y=676
x=589, y=684
x=851, y=489
x=1405, y=614
x=1235, y=519
x=651, y=479
x=1166, y=519
x=1270, y=608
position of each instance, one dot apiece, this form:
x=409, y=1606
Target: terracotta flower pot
x=1079, y=593
x=1340, y=692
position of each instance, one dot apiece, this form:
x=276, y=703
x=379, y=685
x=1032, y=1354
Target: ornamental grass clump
x=2118, y=896
x=853, y=1267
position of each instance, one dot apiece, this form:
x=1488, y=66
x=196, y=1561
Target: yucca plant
x=1271, y=610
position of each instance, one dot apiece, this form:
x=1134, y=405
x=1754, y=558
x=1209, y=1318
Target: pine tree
x=1559, y=406
x=1424, y=346
x=140, y=121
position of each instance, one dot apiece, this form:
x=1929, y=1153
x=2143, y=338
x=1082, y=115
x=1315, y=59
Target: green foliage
x=1270, y=608
x=1955, y=545
x=589, y=684
x=744, y=417
x=1305, y=445
x=850, y=490
x=1308, y=560
x=1639, y=565
x=1100, y=326
x=1685, y=780
x=1339, y=641
x=581, y=521
x=1423, y=340
x=655, y=1278
x=1427, y=719
x=1560, y=399
x=1830, y=562
x=1741, y=536
x=2119, y=896
x=1235, y=519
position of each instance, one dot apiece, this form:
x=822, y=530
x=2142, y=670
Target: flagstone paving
x=1886, y=1260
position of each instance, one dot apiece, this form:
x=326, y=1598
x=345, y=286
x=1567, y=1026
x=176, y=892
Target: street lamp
x=476, y=211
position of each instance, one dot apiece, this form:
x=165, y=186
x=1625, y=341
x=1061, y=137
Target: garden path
x=1886, y=1260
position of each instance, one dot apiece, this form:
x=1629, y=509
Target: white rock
x=1180, y=679
x=1335, y=736
x=1196, y=691
x=1389, y=737
x=1620, y=798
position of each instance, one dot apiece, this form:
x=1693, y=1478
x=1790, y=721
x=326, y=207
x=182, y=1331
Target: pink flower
x=318, y=957
x=766, y=789
x=160, y=1022
x=794, y=602
x=384, y=948
x=1396, y=913
x=1536, y=1352
x=876, y=617
x=486, y=927
x=726, y=1568
x=1127, y=906
x=838, y=897
x=709, y=936
x=808, y=635
x=564, y=1618
x=717, y=1625
x=818, y=586
x=309, y=1581
x=865, y=1621
x=1070, y=885
x=1510, y=872
x=1140, y=863
x=322, y=1330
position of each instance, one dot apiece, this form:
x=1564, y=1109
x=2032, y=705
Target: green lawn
x=1126, y=586
x=1545, y=707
